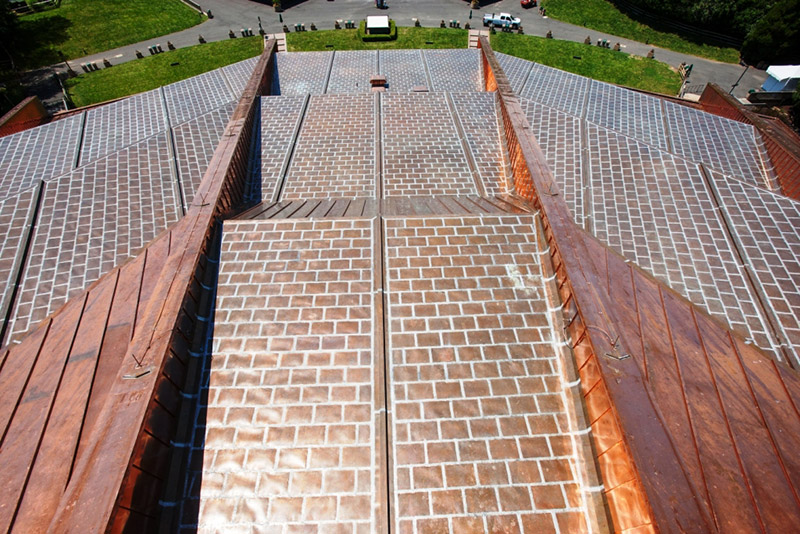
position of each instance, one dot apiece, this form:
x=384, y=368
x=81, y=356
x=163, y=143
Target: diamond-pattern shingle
x=38, y=154
x=655, y=209
x=422, y=157
x=93, y=219
x=114, y=126
x=195, y=142
x=335, y=152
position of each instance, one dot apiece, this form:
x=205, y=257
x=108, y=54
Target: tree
x=728, y=17
x=8, y=30
x=775, y=39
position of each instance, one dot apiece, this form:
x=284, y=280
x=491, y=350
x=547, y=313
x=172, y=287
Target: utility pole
x=739, y=80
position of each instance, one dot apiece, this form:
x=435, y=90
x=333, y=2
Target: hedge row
x=367, y=38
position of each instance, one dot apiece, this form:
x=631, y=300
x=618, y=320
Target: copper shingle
x=693, y=428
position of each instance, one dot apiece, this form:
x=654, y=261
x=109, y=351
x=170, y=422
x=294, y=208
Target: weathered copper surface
x=195, y=141
x=694, y=429
x=91, y=220
x=642, y=174
x=683, y=412
x=38, y=154
x=67, y=363
x=112, y=177
x=292, y=436
x=781, y=143
x=334, y=158
x=114, y=482
x=295, y=433
x=481, y=439
x=16, y=218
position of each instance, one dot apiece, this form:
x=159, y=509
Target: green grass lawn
x=82, y=27
x=349, y=40
x=597, y=63
x=154, y=71
x=605, y=17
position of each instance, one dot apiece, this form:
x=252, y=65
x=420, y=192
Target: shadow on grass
x=41, y=38
x=285, y=4
x=11, y=92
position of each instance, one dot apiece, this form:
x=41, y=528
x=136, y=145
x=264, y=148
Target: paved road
x=238, y=14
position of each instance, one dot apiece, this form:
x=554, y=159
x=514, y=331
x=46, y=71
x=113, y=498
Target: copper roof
x=456, y=378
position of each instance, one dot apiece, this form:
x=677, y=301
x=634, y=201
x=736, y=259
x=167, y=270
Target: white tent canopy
x=377, y=24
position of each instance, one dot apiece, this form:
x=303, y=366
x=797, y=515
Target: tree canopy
x=775, y=39
x=8, y=30
x=729, y=17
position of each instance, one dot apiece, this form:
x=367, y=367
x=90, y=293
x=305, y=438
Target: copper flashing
x=27, y=114
x=80, y=366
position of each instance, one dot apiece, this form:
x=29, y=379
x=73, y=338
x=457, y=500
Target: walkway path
x=237, y=14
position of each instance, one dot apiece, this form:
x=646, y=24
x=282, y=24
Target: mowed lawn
x=603, y=16
x=162, y=69
x=349, y=40
x=592, y=61
x=598, y=63
x=82, y=27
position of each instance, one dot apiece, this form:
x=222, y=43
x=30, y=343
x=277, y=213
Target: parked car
x=527, y=3
x=501, y=19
